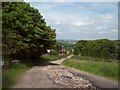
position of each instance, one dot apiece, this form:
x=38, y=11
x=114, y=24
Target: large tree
x=25, y=33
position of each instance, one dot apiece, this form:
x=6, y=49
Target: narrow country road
x=54, y=75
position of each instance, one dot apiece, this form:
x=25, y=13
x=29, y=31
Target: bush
x=76, y=51
x=53, y=52
x=105, y=53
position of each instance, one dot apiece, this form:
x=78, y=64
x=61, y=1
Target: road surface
x=54, y=75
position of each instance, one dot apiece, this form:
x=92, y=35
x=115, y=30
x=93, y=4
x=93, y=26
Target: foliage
x=86, y=58
x=57, y=49
x=76, y=50
x=104, y=53
x=25, y=33
x=118, y=49
x=52, y=57
x=102, y=48
x=54, y=52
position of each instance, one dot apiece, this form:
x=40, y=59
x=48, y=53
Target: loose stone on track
x=63, y=77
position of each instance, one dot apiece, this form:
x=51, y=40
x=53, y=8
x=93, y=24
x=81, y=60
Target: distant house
x=72, y=50
x=48, y=50
x=67, y=52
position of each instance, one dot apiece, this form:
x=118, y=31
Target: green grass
x=106, y=69
x=10, y=76
x=86, y=58
x=52, y=57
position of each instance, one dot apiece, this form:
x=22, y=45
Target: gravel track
x=54, y=75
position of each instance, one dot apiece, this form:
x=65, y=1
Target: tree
x=118, y=49
x=103, y=48
x=104, y=53
x=25, y=33
x=76, y=51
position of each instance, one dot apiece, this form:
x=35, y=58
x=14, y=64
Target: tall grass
x=106, y=69
x=9, y=76
x=86, y=58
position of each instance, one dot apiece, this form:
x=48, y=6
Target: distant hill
x=68, y=41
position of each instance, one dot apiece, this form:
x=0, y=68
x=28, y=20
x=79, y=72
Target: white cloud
x=87, y=32
x=107, y=16
x=80, y=23
x=99, y=27
x=58, y=23
x=68, y=24
x=114, y=30
x=102, y=32
x=59, y=33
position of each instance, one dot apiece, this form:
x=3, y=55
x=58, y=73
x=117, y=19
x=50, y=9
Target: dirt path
x=54, y=75
x=60, y=60
x=36, y=77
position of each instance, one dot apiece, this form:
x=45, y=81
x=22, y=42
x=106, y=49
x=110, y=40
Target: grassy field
x=86, y=58
x=52, y=57
x=102, y=68
x=10, y=76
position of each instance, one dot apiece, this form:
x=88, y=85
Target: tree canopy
x=25, y=34
x=102, y=48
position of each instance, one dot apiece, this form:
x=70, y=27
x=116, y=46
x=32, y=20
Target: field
x=106, y=69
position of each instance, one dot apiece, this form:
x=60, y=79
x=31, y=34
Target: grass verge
x=106, y=69
x=87, y=58
x=52, y=57
x=10, y=76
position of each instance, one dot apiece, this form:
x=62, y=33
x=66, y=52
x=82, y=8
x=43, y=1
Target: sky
x=81, y=20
